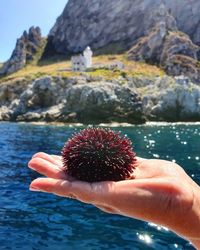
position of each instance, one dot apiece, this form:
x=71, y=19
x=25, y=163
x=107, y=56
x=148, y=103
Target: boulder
x=172, y=100
x=29, y=117
x=104, y=102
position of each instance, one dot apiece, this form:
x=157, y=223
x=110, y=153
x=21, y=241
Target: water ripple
x=43, y=221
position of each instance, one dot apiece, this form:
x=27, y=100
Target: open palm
x=161, y=192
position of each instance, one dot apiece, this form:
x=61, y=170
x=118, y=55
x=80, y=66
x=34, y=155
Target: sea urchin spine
x=97, y=154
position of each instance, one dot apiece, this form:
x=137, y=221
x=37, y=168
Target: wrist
x=188, y=225
x=196, y=206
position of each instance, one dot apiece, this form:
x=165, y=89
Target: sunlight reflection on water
x=43, y=221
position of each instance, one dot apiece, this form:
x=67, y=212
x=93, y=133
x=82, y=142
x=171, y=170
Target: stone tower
x=87, y=53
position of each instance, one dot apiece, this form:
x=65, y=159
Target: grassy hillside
x=63, y=69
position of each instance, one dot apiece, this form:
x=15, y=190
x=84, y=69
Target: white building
x=82, y=61
x=182, y=80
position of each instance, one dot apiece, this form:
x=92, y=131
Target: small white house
x=182, y=80
x=82, y=61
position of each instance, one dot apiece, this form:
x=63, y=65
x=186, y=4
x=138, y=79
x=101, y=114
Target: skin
x=161, y=193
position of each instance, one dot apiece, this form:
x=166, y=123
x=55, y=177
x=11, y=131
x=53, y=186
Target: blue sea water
x=35, y=221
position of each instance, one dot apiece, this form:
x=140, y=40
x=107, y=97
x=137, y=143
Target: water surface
x=35, y=221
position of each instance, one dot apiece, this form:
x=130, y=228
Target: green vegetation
x=190, y=90
x=62, y=68
x=179, y=33
x=132, y=68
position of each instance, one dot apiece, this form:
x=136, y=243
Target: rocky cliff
x=89, y=100
x=162, y=32
x=69, y=100
x=26, y=48
x=117, y=24
x=173, y=51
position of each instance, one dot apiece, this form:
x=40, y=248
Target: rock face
x=180, y=56
x=117, y=25
x=104, y=102
x=162, y=32
x=25, y=49
x=167, y=47
x=172, y=100
x=171, y=50
x=87, y=100
x=48, y=99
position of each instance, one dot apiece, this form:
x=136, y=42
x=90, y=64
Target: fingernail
x=34, y=189
x=33, y=156
x=30, y=166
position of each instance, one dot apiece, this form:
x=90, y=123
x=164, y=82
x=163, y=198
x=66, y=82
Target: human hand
x=161, y=193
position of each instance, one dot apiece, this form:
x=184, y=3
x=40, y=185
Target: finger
x=57, y=157
x=47, y=168
x=137, y=173
x=78, y=190
x=51, y=158
x=106, y=209
x=96, y=193
x=140, y=159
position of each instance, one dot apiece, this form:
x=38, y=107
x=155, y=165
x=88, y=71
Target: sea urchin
x=97, y=154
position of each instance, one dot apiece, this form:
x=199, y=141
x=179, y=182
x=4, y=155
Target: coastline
x=85, y=101
x=112, y=125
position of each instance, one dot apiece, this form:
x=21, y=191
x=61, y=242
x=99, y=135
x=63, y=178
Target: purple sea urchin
x=97, y=154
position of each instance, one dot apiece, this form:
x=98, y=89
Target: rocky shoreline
x=164, y=33
x=85, y=99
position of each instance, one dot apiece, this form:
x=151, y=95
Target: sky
x=19, y=15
